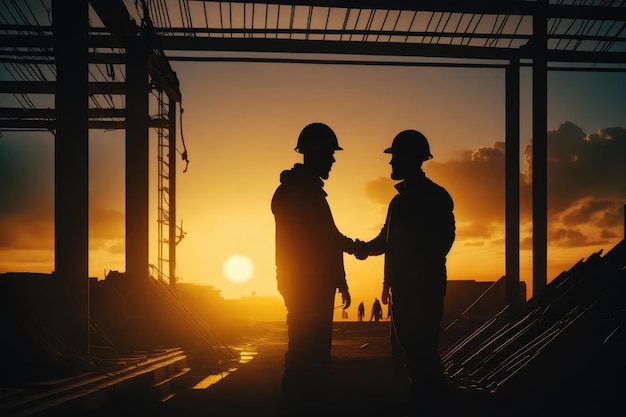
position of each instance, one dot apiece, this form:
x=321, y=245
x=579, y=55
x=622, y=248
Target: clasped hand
x=360, y=250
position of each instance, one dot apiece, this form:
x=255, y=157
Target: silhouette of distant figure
x=361, y=311
x=309, y=259
x=377, y=311
x=417, y=235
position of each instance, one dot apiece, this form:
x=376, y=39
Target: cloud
x=596, y=212
x=583, y=166
x=27, y=203
x=26, y=231
x=26, y=176
x=586, y=188
x=381, y=190
x=476, y=230
x=107, y=230
x=571, y=238
x=27, y=192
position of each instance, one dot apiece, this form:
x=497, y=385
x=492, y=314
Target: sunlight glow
x=238, y=268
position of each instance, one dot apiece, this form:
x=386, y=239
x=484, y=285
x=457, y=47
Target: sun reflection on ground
x=246, y=354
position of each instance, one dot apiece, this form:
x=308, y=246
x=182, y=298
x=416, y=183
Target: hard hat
x=410, y=142
x=317, y=136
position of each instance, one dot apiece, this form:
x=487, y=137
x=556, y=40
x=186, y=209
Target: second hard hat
x=411, y=142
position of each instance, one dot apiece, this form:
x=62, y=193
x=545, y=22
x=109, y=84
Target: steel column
x=71, y=169
x=540, y=149
x=512, y=182
x=137, y=157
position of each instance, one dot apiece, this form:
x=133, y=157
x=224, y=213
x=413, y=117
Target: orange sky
x=240, y=125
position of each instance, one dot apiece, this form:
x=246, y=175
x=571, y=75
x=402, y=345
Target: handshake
x=359, y=249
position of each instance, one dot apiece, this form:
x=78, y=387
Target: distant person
x=417, y=235
x=377, y=311
x=361, y=311
x=309, y=260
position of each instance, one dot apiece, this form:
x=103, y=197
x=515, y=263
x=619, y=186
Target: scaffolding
x=163, y=194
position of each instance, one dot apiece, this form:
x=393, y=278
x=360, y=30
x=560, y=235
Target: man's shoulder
x=296, y=192
x=439, y=192
x=435, y=186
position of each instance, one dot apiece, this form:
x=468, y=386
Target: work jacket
x=418, y=233
x=309, y=247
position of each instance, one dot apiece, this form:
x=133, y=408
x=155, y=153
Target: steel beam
x=50, y=87
x=264, y=45
x=479, y=7
x=50, y=125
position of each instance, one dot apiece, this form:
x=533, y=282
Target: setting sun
x=238, y=268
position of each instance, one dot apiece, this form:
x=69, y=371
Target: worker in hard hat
x=309, y=258
x=417, y=235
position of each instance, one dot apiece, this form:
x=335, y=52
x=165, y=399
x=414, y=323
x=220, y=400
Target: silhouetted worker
x=309, y=259
x=377, y=311
x=417, y=235
x=361, y=311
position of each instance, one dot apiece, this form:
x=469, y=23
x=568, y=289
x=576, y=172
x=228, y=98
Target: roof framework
x=588, y=35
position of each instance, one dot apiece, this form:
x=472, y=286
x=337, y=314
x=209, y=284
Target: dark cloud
x=584, y=166
x=571, y=238
x=607, y=234
x=598, y=213
x=586, y=187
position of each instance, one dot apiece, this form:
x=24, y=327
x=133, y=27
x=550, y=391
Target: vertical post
x=512, y=182
x=540, y=148
x=71, y=168
x=137, y=157
x=172, y=192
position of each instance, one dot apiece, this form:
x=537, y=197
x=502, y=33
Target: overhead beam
x=30, y=124
x=374, y=48
x=23, y=113
x=510, y=7
x=161, y=70
x=49, y=87
x=115, y=17
x=460, y=6
x=119, y=21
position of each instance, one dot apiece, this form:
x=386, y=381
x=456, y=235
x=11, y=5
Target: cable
x=183, y=154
